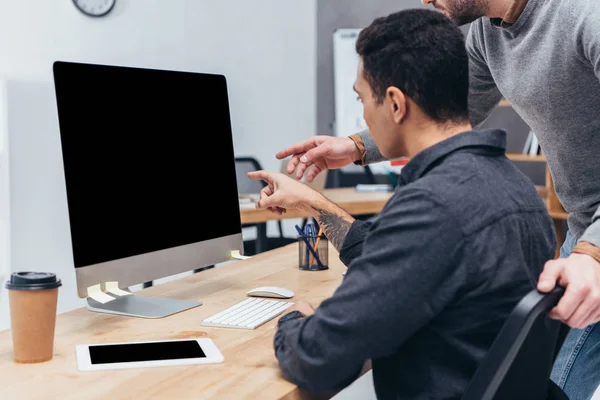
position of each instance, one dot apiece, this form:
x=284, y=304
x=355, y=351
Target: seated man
x=433, y=277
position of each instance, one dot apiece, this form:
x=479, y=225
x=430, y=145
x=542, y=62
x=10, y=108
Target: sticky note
x=236, y=254
x=113, y=287
x=94, y=292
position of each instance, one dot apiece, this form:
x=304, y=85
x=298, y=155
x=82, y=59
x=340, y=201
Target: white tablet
x=97, y=357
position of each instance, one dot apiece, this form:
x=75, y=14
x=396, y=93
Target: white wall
x=266, y=48
x=4, y=201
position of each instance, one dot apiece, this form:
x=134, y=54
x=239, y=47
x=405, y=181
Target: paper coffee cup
x=32, y=297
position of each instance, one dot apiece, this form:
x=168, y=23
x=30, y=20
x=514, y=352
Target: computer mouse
x=271, y=291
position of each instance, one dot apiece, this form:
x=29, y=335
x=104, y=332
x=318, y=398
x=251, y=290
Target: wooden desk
x=353, y=202
x=250, y=369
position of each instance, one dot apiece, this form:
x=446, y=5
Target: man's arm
x=580, y=272
x=588, y=21
x=484, y=95
x=406, y=275
x=344, y=232
x=341, y=229
x=335, y=222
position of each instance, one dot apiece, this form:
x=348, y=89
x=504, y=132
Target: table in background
x=362, y=203
x=353, y=202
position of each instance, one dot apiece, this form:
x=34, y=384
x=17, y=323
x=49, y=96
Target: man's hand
x=283, y=193
x=323, y=152
x=580, y=275
x=302, y=306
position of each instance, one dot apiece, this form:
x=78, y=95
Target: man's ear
x=397, y=103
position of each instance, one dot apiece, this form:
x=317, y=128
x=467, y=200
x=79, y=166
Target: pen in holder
x=312, y=251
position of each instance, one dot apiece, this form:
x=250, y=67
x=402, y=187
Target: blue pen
x=310, y=238
x=304, y=234
x=308, y=246
x=307, y=234
x=313, y=234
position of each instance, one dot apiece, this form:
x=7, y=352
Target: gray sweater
x=547, y=65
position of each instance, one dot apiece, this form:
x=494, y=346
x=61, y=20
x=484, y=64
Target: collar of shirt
x=512, y=15
x=487, y=142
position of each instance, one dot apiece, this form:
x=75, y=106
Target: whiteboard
x=348, y=108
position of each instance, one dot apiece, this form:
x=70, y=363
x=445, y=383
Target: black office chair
x=243, y=165
x=370, y=176
x=519, y=363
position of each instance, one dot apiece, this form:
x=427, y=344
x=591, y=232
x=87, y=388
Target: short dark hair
x=422, y=53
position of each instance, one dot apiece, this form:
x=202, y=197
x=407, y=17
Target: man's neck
x=500, y=8
x=507, y=10
x=430, y=134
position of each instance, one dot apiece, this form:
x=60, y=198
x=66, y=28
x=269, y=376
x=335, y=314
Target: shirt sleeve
x=353, y=244
x=484, y=95
x=588, y=43
x=592, y=233
x=372, y=154
x=406, y=275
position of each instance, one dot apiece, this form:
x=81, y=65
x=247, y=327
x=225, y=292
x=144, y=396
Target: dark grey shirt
x=431, y=279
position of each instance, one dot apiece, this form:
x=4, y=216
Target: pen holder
x=307, y=260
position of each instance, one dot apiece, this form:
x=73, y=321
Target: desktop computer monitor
x=150, y=178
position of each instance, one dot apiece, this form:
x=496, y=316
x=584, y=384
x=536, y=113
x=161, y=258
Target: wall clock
x=95, y=8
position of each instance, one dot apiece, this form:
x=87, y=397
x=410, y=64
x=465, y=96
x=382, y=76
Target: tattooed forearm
x=335, y=226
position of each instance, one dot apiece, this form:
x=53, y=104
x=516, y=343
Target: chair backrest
x=519, y=363
x=243, y=165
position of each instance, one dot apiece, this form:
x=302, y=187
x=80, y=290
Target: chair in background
x=519, y=363
x=370, y=176
x=247, y=186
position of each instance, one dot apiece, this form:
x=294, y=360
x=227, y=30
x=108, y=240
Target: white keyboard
x=248, y=314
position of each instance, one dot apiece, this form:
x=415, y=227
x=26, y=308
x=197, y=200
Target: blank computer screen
x=148, y=159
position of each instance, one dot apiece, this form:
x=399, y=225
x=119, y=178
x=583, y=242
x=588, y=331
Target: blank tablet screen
x=136, y=352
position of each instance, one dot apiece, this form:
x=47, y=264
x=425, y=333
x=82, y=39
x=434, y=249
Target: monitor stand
x=142, y=307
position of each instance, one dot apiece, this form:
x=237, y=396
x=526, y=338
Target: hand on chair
x=580, y=275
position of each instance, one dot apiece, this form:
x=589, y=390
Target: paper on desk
x=248, y=200
x=374, y=188
x=249, y=197
x=236, y=254
x=113, y=287
x=96, y=293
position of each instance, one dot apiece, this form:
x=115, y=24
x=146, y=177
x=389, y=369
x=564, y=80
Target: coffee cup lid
x=33, y=281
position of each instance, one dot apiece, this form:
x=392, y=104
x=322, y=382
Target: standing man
x=544, y=57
